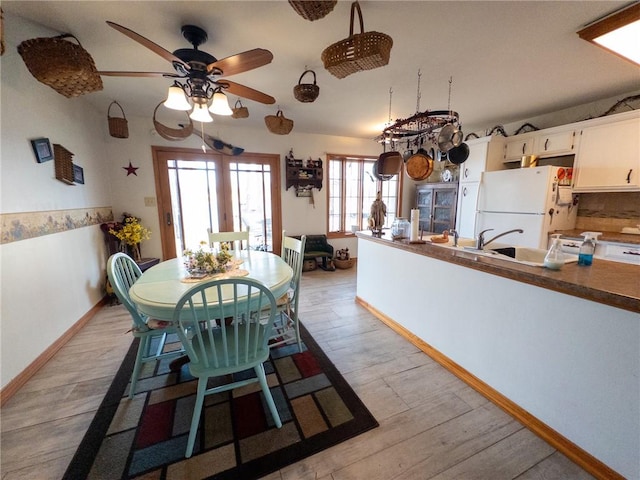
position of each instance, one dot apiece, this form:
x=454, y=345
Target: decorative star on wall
x=131, y=169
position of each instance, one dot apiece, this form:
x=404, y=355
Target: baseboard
x=576, y=454
x=18, y=382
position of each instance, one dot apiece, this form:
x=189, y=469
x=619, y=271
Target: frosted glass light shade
x=176, y=99
x=220, y=105
x=200, y=113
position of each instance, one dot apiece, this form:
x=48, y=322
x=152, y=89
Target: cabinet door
x=424, y=203
x=608, y=158
x=555, y=143
x=471, y=170
x=444, y=209
x=466, y=211
x=518, y=146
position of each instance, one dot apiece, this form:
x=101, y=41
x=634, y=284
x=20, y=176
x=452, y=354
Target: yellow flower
x=131, y=233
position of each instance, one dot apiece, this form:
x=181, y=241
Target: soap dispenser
x=554, y=260
x=588, y=247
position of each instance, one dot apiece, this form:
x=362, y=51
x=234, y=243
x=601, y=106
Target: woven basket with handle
x=239, y=111
x=173, y=134
x=306, y=92
x=63, y=65
x=118, y=126
x=313, y=10
x=360, y=51
x=278, y=123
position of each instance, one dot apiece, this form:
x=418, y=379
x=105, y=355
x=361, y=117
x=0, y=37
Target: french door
x=197, y=191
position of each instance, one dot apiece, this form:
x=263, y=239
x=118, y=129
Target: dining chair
x=286, y=327
x=224, y=329
x=236, y=239
x=123, y=272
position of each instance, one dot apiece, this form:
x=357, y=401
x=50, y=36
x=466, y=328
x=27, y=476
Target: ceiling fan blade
x=154, y=47
x=241, y=62
x=138, y=74
x=246, y=92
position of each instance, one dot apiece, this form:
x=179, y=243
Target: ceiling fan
x=197, y=73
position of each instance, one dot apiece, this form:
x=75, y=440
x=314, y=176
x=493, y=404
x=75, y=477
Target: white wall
x=299, y=216
x=47, y=283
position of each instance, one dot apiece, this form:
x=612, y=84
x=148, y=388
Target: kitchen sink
x=512, y=253
x=524, y=255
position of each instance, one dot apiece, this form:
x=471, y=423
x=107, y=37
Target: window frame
x=345, y=230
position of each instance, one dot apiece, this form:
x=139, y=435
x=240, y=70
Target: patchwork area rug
x=146, y=437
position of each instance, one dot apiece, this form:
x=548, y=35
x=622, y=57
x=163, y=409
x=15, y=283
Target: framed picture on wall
x=42, y=149
x=78, y=174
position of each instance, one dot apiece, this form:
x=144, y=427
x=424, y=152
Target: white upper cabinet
x=608, y=156
x=485, y=154
x=555, y=143
x=517, y=146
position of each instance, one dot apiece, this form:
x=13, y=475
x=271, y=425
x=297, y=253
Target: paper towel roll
x=415, y=224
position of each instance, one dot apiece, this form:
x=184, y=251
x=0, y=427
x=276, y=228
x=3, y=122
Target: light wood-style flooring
x=432, y=425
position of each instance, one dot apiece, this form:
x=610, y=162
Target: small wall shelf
x=304, y=174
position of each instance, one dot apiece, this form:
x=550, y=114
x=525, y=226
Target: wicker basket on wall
x=360, y=51
x=313, y=10
x=61, y=64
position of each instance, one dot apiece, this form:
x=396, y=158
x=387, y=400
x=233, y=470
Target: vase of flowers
x=207, y=262
x=130, y=233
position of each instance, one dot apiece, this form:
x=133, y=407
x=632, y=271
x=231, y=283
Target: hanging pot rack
x=425, y=123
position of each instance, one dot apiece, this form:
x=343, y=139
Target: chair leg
x=195, y=419
x=142, y=352
x=259, y=369
x=161, y=342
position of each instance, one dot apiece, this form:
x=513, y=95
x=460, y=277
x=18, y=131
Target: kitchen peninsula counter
x=558, y=350
x=612, y=283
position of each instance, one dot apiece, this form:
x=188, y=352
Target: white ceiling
x=508, y=60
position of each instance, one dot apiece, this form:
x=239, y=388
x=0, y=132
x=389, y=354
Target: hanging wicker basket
x=278, y=123
x=64, y=66
x=173, y=134
x=118, y=126
x=239, y=111
x=306, y=92
x=313, y=10
x=360, y=51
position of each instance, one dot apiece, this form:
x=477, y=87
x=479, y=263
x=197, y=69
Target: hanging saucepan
x=420, y=165
x=458, y=155
x=387, y=165
x=450, y=136
x=408, y=152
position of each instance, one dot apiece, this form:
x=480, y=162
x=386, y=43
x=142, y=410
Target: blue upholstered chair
x=222, y=338
x=123, y=273
x=286, y=327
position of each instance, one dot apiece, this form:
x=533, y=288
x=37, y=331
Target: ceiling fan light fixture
x=618, y=32
x=176, y=99
x=220, y=104
x=200, y=113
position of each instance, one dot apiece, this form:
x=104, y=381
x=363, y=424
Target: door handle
x=168, y=216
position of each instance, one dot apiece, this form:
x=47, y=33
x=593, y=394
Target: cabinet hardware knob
x=524, y=145
x=546, y=142
x=466, y=172
x=629, y=175
x=464, y=192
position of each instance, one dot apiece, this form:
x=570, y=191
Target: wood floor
x=432, y=425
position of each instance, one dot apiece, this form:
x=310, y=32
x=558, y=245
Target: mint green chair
x=286, y=327
x=224, y=326
x=123, y=272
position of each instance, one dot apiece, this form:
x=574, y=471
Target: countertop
x=605, y=237
x=611, y=283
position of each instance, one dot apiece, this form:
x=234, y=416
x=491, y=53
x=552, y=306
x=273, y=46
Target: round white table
x=158, y=290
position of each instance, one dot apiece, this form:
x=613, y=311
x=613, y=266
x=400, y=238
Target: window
x=352, y=189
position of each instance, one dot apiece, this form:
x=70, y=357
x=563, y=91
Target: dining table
x=157, y=292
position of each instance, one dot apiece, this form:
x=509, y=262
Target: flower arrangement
x=131, y=232
x=201, y=261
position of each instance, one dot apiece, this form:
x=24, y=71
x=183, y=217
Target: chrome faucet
x=455, y=236
x=481, y=243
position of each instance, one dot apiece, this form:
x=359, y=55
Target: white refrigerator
x=538, y=200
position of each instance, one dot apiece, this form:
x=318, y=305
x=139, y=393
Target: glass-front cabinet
x=437, y=205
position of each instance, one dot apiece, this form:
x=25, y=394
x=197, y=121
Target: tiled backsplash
x=608, y=212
